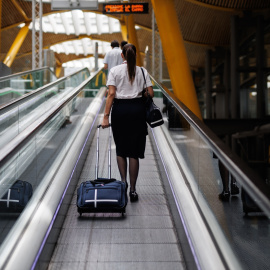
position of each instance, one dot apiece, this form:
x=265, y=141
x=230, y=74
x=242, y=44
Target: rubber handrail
x=8, y=77
x=252, y=183
x=22, y=99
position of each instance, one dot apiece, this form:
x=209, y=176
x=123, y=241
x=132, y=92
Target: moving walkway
x=178, y=223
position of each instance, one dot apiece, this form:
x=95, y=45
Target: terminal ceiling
x=205, y=24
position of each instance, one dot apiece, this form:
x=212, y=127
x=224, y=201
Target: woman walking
x=124, y=101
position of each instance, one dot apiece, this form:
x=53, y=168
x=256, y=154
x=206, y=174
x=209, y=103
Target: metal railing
x=9, y=77
x=38, y=91
x=246, y=176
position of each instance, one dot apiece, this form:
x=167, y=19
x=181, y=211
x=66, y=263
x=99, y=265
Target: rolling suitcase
x=102, y=195
x=16, y=197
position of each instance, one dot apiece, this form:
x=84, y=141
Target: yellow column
x=175, y=54
x=15, y=47
x=58, y=71
x=58, y=67
x=132, y=36
x=124, y=30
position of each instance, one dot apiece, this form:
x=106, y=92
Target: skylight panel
x=58, y=48
x=77, y=22
x=46, y=26
x=70, y=47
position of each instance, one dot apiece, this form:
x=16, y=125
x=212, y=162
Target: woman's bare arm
x=111, y=94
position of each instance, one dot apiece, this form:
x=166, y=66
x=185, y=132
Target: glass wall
x=17, y=119
x=16, y=85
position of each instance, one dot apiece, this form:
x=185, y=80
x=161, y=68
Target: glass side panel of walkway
x=29, y=153
x=15, y=85
x=20, y=112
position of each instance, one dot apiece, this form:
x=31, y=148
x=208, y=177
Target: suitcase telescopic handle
x=109, y=152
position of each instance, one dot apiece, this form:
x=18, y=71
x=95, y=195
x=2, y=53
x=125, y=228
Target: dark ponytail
x=129, y=52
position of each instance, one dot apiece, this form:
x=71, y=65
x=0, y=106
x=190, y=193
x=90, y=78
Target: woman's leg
x=133, y=172
x=122, y=166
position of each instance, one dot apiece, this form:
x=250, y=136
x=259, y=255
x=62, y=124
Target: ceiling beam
x=136, y=24
x=19, y=8
x=199, y=3
x=16, y=45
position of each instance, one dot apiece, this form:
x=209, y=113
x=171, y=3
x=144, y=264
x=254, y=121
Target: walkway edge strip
x=204, y=250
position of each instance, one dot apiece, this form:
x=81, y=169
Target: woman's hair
x=129, y=52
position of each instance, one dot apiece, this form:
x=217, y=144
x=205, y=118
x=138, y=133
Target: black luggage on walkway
x=248, y=203
x=102, y=195
x=16, y=197
x=175, y=119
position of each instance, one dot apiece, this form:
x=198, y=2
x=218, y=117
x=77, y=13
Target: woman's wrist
x=106, y=115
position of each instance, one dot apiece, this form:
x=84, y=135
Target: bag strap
x=146, y=89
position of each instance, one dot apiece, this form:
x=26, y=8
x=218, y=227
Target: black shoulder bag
x=153, y=114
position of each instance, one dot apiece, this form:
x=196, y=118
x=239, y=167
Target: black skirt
x=129, y=127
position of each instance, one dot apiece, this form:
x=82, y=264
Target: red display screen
x=126, y=8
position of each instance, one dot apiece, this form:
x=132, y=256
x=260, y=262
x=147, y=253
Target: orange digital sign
x=133, y=8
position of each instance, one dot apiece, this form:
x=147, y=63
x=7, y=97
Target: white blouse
x=118, y=77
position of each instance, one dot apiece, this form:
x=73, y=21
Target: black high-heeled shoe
x=234, y=189
x=133, y=196
x=224, y=196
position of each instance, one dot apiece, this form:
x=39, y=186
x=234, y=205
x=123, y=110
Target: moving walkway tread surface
x=144, y=238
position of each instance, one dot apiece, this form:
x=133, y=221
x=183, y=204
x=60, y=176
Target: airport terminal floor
x=178, y=221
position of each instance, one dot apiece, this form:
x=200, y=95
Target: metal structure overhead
x=205, y=24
